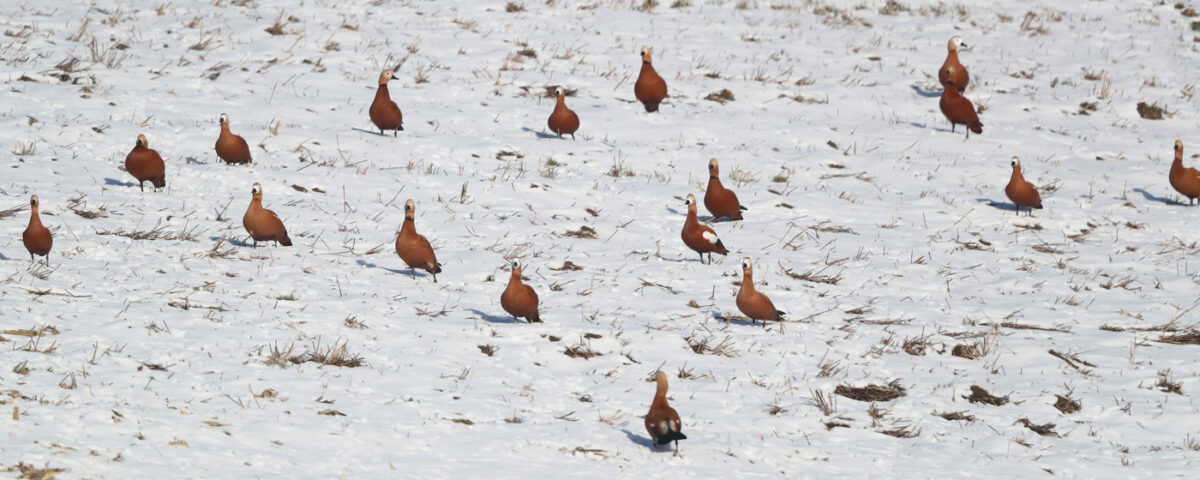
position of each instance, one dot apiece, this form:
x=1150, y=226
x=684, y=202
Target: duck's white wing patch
x=711, y=237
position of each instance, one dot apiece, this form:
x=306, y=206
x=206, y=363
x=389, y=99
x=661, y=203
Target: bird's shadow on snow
x=117, y=183
x=1151, y=197
x=936, y=129
x=997, y=205
x=926, y=93
x=377, y=134
x=699, y=218
x=737, y=321
x=367, y=264
x=539, y=133
x=494, y=318
x=233, y=241
x=638, y=439
x=3, y=258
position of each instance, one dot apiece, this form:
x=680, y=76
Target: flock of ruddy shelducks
x=520, y=300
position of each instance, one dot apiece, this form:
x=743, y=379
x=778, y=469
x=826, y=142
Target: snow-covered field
x=158, y=345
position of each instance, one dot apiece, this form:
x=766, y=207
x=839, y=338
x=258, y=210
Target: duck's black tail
x=669, y=437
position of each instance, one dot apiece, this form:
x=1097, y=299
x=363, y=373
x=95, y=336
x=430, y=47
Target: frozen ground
x=157, y=345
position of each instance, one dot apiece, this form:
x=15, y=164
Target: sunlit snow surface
x=156, y=364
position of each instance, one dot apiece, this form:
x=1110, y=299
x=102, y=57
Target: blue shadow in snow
x=495, y=318
x=539, y=134
x=926, y=93
x=118, y=183
x=237, y=242
x=734, y=321
x=401, y=272
x=699, y=218
x=1151, y=197
x=997, y=205
x=375, y=133
x=638, y=439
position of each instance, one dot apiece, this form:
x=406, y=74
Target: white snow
x=156, y=363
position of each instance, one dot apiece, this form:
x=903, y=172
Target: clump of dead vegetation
x=338, y=355
x=10, y=212
x=1066, y=404
x=956, y=416
x=705, y=345
x=967, y=351
x=1190, y=337
x=1167, y=384
x=34, y=473
x=814, y=277
x=722, y=96
x=903, y=431
x=583, y=350
x=915, y=346
x=568, y=266
x=826, y=403
x=158, y=232
x=979, y=395
x=872, y=392
x=77, y=205
x=583, y=232
x=1045, y=430
x=1152, y=111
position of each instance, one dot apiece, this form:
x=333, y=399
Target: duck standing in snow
x=263, y=225
x=413, y=248
x=37, y=238
x=1186, y=180
x=1022, y=193
x=957, y=109
x=753, y=303
x=519, y=299
x=699, y=237
x=384, y=112
x=650, y=89
x=563, y=120
x=145, y=165
x=662, y=422
x=720, y=201
x=231, y=148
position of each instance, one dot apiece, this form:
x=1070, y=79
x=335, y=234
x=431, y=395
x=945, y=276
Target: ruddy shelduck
x=753, y=303
x=1022, y=193
x=263, y=225
x=957, y=109
x=720, y=201
x=699, y=237
x=231, y=148
x=563, y=120
x=1186, y=180
x=958, y=74
x=413, y=248
x=662, y=422
x=384, y=112
x=37, y=238
x=650, y=89
x=519, y=299
x=145, y=165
